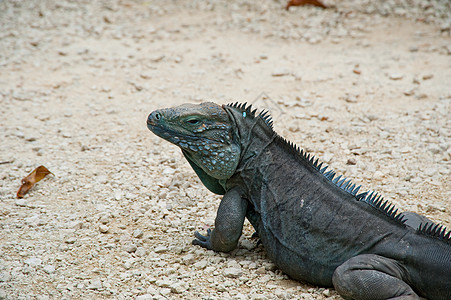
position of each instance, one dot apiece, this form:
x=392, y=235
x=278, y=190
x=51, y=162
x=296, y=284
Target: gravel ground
x=364, y=85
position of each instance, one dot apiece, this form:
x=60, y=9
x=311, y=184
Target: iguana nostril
x=153, y=117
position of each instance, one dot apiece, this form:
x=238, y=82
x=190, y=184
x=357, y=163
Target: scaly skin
x=313, y=225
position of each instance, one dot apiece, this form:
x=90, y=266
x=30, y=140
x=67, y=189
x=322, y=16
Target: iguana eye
x=193, y=121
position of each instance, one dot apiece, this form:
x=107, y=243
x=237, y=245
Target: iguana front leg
x=228, y=223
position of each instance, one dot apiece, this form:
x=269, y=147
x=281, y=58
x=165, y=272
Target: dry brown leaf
x=305, y=2
x=29, y=181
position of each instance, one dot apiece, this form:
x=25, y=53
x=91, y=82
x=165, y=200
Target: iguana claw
x=203, y=240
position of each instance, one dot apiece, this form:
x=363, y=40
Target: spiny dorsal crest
x=436, y=231
x=247, y=109
x=370, y=197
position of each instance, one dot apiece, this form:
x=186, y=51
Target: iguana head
x=204, y=132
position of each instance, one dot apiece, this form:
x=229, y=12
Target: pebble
x=201, y=264
x=428, y=76
x=396, y=76
x=103, y=228
x=351, y=161
x=188, y=259
x=280, y=72
x=161, y=249
x=165, y=291
x=129, y=263
x=326, y=292
x=141, y=251
x=70, y=240
x=33, y=261
x=138, y=233
x=416, y=80
x=130, y=248
x=178, y=287
x=232, y=272
x=145, y=297
x=96, y=284
x=245, y=243
x=5, y=276
x=435, y=149
x=351, y=99
x=307, y=296
x=49, y=269
x=21, y=202
x=409, y=92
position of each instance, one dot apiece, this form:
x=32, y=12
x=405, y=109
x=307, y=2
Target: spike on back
x=436, y=231
x=245, y=107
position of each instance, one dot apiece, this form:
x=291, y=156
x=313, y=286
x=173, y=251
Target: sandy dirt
x=365, y=87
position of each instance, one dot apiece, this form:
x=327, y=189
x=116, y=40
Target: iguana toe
x=203, y=240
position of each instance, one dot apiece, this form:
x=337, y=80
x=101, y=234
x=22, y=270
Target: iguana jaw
x=203, y=132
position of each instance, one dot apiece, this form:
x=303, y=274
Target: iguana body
x=315, y=226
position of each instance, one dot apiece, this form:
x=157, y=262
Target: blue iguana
x=315, y=226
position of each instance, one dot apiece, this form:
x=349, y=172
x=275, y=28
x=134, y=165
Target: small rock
x=188, y=259
x=327, y=157
x=428, y=76
x=62, y=52
x=33, y=261
x=144, y=297
x=141, y=251
x=351, y=161
x=415, y=80
x=396, y=76
x=429, y=172
x=70, y=240
x=103, y=228
x=409, y=92
x=280, y=72
x=201, y=264
x=21, y=202
x=378, y=175
x=421, y=96
x=128, y=264
x=157, y=58
x=104, y=219
x=232, y=272
x=406, y=149
x=130, y=248
x=95, y=285
x=307, y=296
x=145, y=75
x=280, y=293
x=245, y=243
x=178, y=287
x=138, y=233
x=435, y=149
x=160, y=249
x=49, y=269
x=258, y=297
x=350, y=98
x=164, y=292
x=5, y=276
